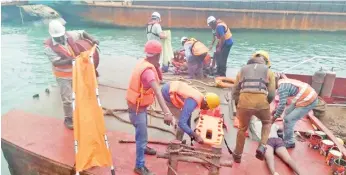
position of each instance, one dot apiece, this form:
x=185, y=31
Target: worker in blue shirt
x=225, y=42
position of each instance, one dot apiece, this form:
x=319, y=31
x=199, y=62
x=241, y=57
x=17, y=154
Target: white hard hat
x=156, y=14
x=210, y=19
x=56, y=29
x=183, y=39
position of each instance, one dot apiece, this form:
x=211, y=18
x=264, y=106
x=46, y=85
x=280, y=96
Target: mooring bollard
x=173, y=157
x=214, y=170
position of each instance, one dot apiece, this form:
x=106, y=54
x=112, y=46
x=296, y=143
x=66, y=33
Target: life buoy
x=224, y=82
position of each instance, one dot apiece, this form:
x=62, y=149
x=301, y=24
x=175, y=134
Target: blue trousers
x=293, y=114
x=139, y=121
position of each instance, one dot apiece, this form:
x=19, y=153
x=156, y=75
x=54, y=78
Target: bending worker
x=302, y=97
x=224, y=45
x=254, y=91
x=195, y=52
x=61, y=51
x=143, y=88
x=182, y=100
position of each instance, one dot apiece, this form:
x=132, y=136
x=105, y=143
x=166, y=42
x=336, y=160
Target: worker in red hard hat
x=141, y=93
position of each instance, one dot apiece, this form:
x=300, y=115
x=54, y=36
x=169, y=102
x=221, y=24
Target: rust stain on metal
x=195, y=18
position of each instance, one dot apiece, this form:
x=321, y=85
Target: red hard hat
x=153, y=47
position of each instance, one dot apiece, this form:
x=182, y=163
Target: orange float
x=224, y=82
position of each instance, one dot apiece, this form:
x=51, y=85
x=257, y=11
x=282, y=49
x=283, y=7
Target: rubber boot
x=149, y=151
x=68, y=122
x=143, y=171
x=236, y=157
x=261, y=150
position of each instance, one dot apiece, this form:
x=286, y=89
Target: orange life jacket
x=228, y=33
x=179, y=91
x=306, y=94
x=197, y=48
x=72, y=51
x=136, y=94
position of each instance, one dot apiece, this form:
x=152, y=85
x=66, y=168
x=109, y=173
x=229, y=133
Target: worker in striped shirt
x=301, y=98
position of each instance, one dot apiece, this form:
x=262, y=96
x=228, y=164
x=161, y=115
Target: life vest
x=72, y=51
x=179, y=91
x=306, y=94
x=228, y=33
x=136, y=94
x=150, y=28
x=254, y=78
x=197, y=48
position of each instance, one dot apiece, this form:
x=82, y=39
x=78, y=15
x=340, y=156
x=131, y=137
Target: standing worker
x=154, y=32
x=195, y=52
x=182, y=100
x=143, y=88
x=61, y=51
x=303, y=99
x=254, y=91
x=224, y=45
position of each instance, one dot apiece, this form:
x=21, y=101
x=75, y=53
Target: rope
x=171, y=168
x=111, y=113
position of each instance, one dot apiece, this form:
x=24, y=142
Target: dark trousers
x=221, y=60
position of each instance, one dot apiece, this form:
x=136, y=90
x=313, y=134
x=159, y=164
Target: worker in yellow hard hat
x=264, y=55
x=254, y=91
x=182, y=99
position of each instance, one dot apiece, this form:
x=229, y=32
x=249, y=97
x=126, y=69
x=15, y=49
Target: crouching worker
x=195, y=52
x=182, y=100
x=254, y=91
x=143, y=88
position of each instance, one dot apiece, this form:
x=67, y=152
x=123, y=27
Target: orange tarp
x=89, y=125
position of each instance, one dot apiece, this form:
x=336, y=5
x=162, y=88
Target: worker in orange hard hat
x=143, y=88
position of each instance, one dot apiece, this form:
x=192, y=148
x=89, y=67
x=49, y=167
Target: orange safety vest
x=228, y=33
x=179, y=91
x=72, y=51
x=197, y=48
x=136, y=94
x=306, y=94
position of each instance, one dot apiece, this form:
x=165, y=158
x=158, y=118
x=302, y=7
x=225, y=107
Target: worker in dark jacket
x=254, y=91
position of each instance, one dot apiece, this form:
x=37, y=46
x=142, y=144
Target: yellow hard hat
x=265, y=55
x=212, y=100
x=192, y=39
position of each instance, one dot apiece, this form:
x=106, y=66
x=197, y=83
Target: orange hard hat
x=152, y=47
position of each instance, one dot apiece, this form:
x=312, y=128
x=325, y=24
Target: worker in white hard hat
x=61, y=51
x=197, y=56
x=154, y=30
x=224, y=45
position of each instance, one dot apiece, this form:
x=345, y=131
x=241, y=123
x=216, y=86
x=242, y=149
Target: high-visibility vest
x=72, y=51
x=228, y=33
x=306, y=94
x=197, y=48
x=179, y=91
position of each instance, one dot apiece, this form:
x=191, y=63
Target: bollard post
x=216, y=160
x=173, y=157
